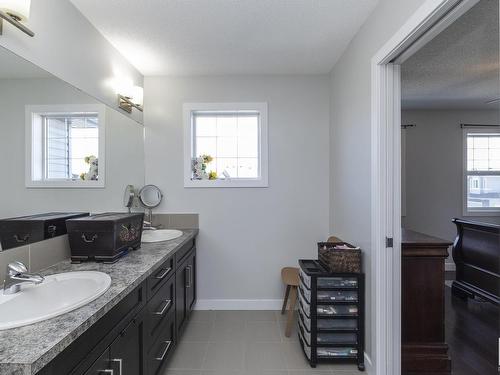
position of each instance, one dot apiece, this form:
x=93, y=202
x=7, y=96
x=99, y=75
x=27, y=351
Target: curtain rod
x=478, y=125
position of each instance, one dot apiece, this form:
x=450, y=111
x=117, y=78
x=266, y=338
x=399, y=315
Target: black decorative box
x=19, y=231
x=104, y=237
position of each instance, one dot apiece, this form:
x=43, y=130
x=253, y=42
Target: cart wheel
x=361, y=367
x=313, y=365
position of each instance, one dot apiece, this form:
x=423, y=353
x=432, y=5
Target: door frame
x=427, y=22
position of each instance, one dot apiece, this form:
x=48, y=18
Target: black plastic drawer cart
x=331, y=315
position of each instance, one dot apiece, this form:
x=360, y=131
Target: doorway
x=430, y=19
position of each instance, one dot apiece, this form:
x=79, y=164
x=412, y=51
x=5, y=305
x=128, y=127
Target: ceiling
x=460, y=67
x=216, y=37
x=15, y=67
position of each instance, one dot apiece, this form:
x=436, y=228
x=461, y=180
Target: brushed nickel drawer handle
x=21, y=239
x=120, y=364
x=189, y=283
x=164, y=273
x=160, y=358
x=92, y=239
x=162, y=311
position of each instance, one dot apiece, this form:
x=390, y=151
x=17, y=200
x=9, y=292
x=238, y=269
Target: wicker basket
x=339, y=260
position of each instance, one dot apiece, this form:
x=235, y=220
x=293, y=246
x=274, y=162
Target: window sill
x=482, y=213
x=65, y=184
x=234, y=183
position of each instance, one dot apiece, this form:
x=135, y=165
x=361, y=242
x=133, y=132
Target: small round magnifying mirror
x=128, y=196
x=150, y=197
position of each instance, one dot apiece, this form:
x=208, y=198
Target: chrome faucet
x=147, y=225
x=16, y=275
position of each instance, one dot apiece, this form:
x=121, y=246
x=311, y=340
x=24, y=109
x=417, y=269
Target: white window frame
x=475, y=211
x=34, y=113
x=261, y=181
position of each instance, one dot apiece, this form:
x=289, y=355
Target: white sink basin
x=160, y=235
x=58, y=294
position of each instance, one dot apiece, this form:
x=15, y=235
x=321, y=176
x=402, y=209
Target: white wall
x=247, y=234
x=67, y=45
x=350, y=137
x=124, y=152
x=434, y=151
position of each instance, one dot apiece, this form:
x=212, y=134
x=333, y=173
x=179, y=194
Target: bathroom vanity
x=131, y=329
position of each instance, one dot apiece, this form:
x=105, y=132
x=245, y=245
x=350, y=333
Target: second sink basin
x=160, y=235
x=58, y=294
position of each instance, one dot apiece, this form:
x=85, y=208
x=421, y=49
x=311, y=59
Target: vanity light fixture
x=129, y=97
x=15, y=12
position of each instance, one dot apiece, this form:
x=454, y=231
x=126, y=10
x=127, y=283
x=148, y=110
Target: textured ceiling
x=15, y=67
x=460, y=67
x=215, y=37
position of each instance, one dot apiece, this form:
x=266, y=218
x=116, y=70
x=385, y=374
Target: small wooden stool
x=290, y=277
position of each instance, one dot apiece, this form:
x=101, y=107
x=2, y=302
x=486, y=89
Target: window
x=481, y=172
x=225, y=145
x=65, y=146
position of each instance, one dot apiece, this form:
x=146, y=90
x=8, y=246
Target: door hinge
x=389, y=242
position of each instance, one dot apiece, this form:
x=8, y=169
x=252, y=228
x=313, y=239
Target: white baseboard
x=238, y=304
x=368, y=365
x=449, y=266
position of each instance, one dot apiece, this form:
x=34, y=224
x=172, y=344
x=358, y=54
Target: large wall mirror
x=62, y=150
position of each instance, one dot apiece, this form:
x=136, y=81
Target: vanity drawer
x=160, y=276
x=160, y=351
x=159, y=308
x=182, y=253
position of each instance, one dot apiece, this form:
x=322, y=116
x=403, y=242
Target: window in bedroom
x=225, y=145
x=481, y=171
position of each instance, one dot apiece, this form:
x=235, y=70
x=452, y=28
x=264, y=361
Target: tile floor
x=243, y=343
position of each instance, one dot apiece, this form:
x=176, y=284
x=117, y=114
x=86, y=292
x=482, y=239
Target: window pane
x=206, y=146
x=206, y=126
x=483, y=192
x=248, y=167
x=248, y=146
x=248, y=126
x=57, y=148
x=227, y=147
x=227, y=126
x=229, y=165
x=482, y=151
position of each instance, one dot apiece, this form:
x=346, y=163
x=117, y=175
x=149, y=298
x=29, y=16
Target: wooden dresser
x=424, y=350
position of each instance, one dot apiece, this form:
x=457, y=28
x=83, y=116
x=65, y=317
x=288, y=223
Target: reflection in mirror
x=62, y=150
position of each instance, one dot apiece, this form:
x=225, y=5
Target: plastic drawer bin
x=347, y=352
x=329, y=338
x=324, y=310
x=306, y=280
x=332, y=295
x=337, y=282
x=333, y=324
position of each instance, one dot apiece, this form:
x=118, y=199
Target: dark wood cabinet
x=185, y=289
x=101, y=366
x=126, y=352
x=139, y=335
x=424, y=350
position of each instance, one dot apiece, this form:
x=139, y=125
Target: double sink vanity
x=96, y=318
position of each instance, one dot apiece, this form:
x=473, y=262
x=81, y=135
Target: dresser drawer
x=160, y=276
x=162, y=348
x=159, y=308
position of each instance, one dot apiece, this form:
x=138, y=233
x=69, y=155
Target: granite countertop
x=26, y=350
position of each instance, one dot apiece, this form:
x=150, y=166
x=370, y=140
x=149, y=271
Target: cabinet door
x=101, y=366
x=126, y=352
x=191, y=282
x=180, y=296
